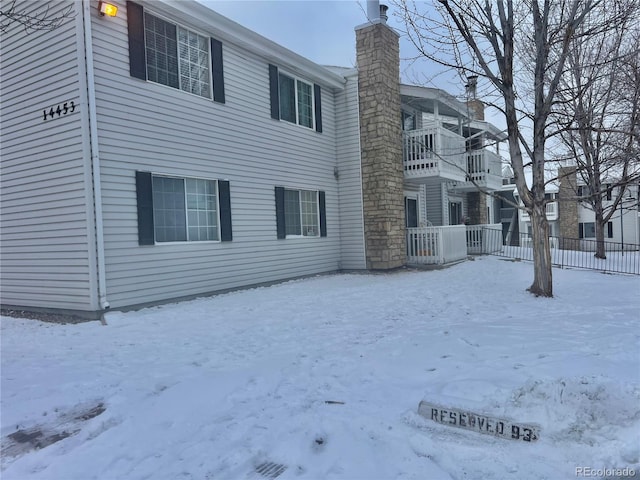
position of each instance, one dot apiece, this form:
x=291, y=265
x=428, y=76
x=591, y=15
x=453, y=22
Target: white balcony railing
x=484, y=168
x=436, y=245
x=433, y=153
x=551, y=210
x=441, y=245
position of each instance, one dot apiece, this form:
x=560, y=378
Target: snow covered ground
x=321, y=378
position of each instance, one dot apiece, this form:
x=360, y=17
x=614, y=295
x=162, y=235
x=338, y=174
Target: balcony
x=433, y=155
x=484, y=168
x=551, y=209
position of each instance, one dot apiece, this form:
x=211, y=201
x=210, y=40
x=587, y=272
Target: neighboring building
x=570, y=218
x=168, y=152
x=509, y=214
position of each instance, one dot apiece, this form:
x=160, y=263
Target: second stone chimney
x=568, y=208
x=378, y=59
x=476, y=107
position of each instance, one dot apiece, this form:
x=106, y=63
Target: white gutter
x=95, y=157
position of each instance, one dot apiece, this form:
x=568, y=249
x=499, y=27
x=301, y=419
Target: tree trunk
x=542, y=279
x=600, y=251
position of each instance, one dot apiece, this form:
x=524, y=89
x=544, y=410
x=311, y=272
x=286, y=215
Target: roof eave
x=226, y=30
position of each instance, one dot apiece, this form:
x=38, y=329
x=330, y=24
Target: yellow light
x=107, y=9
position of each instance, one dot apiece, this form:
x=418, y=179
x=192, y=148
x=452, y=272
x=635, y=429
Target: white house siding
x=350, y=178
x=423, y=218
x=627, y=230
x=150, y=127
x=434, y=204
x=46, y=200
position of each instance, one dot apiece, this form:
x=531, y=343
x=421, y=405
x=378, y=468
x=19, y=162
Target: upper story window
x=408, y=121
x=584, y=191
x=163, y=52
x=176, y=57
x=294, y=100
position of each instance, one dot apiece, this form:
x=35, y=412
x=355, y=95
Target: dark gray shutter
x=323, y=214
x=137, y=56
x=144, y=195
x=280, y=222
x=224, y=197
x=274, y=93
x=318, y=107
x=217, y=70
x=609, y=229
x=581, y=230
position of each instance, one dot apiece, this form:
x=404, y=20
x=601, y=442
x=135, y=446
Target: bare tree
x=600, y=114
x=521, y=50
x=33, y=16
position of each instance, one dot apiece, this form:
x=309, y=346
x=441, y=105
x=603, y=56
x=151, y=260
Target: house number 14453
x=59, y=110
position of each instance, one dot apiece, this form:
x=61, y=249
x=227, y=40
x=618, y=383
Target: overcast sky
x=323, y=31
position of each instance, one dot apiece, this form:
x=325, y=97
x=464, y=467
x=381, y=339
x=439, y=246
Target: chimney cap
x=376, y=15
x=383, y=13
x=472, y=83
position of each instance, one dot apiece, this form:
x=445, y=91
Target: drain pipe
x=95, y=159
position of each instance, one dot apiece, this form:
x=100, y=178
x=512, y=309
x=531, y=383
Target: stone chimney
x=568, y=208
x=476, y=107
x=378, y=59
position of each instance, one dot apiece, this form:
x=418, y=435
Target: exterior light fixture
x=108, y=9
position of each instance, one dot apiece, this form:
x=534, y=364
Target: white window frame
x=301, y=213
x=297, y=79
x=186, y=210
x=179, y=25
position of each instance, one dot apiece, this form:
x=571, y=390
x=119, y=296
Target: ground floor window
x=185, y=209
x=182, y=209
x=588, y=230
x=300, y=213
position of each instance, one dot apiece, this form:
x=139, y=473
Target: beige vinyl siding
x=350, y=177
x=45, y=192
x=151, y=127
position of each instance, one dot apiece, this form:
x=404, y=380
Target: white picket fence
x=442, y=245
x=436, y=245
x=447, y=244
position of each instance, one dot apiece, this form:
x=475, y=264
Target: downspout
x=95, y=157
